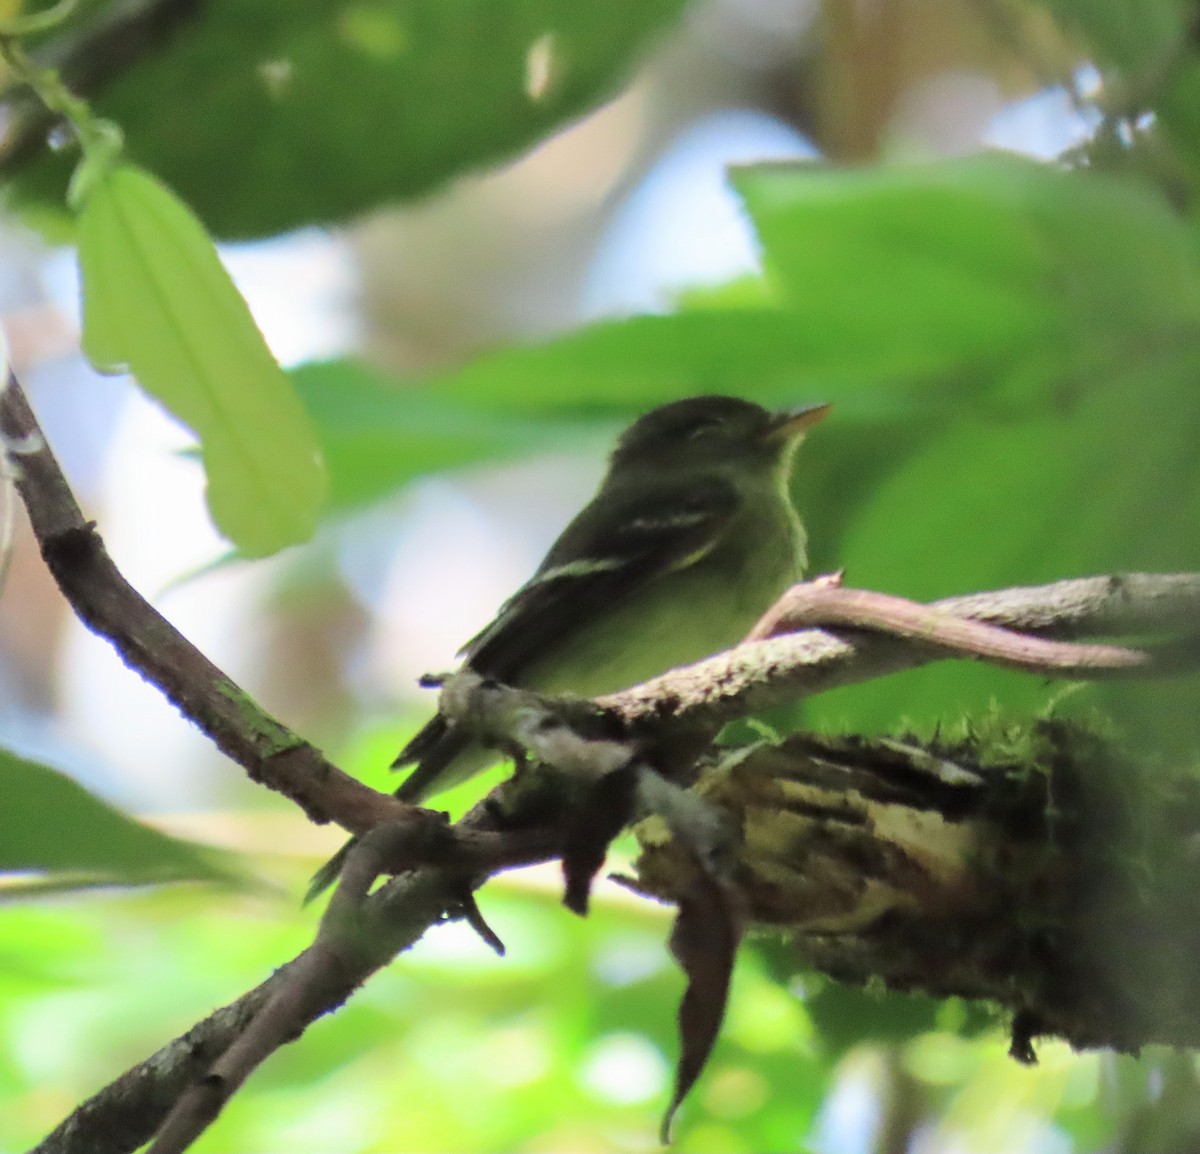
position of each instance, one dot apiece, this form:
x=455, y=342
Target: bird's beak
x=792, y=423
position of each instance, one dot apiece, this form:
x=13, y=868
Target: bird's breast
x=678, y=619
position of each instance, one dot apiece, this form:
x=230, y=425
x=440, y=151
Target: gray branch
x=759, y=675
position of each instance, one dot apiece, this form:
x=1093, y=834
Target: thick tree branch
x=1039, y=867
x=151, y=646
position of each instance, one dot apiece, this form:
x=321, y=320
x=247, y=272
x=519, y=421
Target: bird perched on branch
x=690, y=538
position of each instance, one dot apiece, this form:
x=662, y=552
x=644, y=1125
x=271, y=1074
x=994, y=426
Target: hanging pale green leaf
x=159, y=303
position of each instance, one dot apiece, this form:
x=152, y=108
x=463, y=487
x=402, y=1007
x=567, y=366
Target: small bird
x=690, y=538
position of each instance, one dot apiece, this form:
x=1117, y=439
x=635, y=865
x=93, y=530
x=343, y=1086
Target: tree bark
x=1042, y=868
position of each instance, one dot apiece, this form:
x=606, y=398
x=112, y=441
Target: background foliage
x=1010, y=347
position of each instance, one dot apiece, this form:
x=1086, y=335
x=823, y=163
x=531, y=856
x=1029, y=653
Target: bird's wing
x=617, y=545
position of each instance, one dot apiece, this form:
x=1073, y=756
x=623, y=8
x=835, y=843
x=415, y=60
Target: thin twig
x=761, y=674
x=826, y=601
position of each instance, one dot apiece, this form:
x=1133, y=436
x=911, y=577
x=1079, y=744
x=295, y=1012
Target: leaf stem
x=99, y=139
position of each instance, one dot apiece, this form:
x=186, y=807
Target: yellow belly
x=646, y=635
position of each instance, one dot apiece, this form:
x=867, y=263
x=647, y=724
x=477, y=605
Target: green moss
x=275, y=737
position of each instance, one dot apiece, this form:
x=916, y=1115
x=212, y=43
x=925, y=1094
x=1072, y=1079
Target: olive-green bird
x=690, y=538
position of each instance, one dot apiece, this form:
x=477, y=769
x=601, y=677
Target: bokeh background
x=484, y=236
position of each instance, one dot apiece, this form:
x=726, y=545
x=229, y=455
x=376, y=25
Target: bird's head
x=715, y=432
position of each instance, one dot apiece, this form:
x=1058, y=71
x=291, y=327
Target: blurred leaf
x=1131, y=34
x=1027, y=275
x=621, y=367
x=902, y=297
x=1075, y=299
x=849, y=1016
x=1177, y=112
x=913, y=269
x=52, y=827
x=158, y=300
x=1106, y=483
x=377, y=433
x=292, y=112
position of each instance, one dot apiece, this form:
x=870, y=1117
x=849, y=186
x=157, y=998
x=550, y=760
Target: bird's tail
x=434, y=748
x=329, y=872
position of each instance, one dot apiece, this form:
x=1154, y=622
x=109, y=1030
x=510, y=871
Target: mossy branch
x=1041, y=867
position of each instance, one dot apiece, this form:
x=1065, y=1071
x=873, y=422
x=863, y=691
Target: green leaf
x=904, y=266
x=158, y=301
x=902, y=296
x=1056, y=315
x=1177, y=109
x=987, y=271
x=1097, y=483
x=52, y=828
x=290, y=112
x=376, y=433
x=1131, y=34
x=379, y=431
